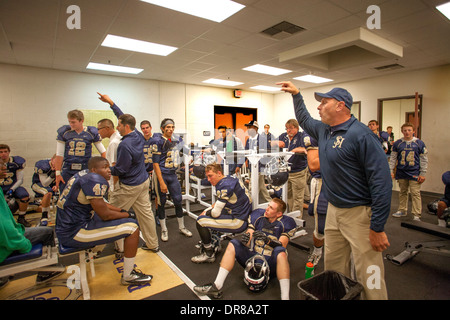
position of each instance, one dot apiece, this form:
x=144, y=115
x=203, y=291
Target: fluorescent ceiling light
x=217, y=10
x=223, y=82
x=266, y=88
x=313, y=79
x=137, y=45
x=445, y=9
x=266, y=70
x=109, y=67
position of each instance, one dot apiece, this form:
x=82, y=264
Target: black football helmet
x=277, y=171
x=201, y=160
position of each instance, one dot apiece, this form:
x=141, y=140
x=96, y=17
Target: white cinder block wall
x=34, y=102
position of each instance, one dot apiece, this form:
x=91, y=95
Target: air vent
x=282, y=30
x=389, y=67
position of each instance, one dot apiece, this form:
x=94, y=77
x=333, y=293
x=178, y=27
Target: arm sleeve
x=217, y=210
x=45, y=179
x=19, y=177
x=60, y=146
x=100, y=147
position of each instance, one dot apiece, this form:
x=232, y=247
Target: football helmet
x=277, y=171
x=256, y=273
x=432, y=206
x=201, y=160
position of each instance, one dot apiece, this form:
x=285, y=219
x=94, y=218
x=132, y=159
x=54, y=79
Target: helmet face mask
x=277, y=171
x=200, y=163
x=256, y=273
x=432, y=206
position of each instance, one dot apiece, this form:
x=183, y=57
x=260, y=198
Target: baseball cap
x=336, y=93
x=252, y=123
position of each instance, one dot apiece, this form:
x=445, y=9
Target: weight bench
x=45, y=258
x=40, y=258
x=432, y=246
x=85, y=256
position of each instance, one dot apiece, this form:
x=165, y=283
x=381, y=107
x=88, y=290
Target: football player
x=85, y=219
x=12, y=183
x=74, y=147
x=166, y=161
x=268, y=234
x=319, y=204
x=409, y=158
x=43, y=185
x=228, y=214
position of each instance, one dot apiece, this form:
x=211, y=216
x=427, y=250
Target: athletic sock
x=181, y=222
x=128, y=266
x=221, y=276
x=284, y=287
x=162, y=222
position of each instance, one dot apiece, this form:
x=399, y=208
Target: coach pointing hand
x=357, y=184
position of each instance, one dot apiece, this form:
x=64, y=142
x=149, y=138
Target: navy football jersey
x=148, y=152
x=283, y=226
x=409, y=155
x=167, y=154
x=78, y=146
x=236, y=197
x=74, y=210
x=42, y=167
x=14, y=164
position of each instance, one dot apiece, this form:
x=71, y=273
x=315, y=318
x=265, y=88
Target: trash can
x=330, y=285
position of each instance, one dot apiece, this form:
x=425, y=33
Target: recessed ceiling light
x=217, y=10
x=223, y=82
x=266, y=88
x=109, y=67
x=313, y=79
x=444, y=9
x=266, y=70
x=137, y=45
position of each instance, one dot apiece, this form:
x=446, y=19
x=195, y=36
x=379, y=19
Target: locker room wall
x=433, y=83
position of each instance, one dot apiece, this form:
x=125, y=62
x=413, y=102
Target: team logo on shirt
x=338, y=142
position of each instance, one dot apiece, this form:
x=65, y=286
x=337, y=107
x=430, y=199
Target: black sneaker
x=136, y=278
x=47, y=275
x=209, y=289
x=21, y=220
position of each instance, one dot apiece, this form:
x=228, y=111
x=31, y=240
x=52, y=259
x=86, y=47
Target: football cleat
x=209, y=289
x=136, y=277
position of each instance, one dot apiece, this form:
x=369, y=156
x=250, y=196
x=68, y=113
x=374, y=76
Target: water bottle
x=309, y=270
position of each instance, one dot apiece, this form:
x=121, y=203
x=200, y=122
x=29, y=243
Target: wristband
x=58, y=172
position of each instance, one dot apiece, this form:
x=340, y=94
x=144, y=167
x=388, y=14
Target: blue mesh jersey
x=74, y=210
x=14, y=164
x=78, y=146
x=167, y=153
x=411, y=158
x=237, y=200
x=283, y=226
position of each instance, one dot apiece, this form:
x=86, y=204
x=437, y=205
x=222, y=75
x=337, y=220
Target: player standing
x=74, y=147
